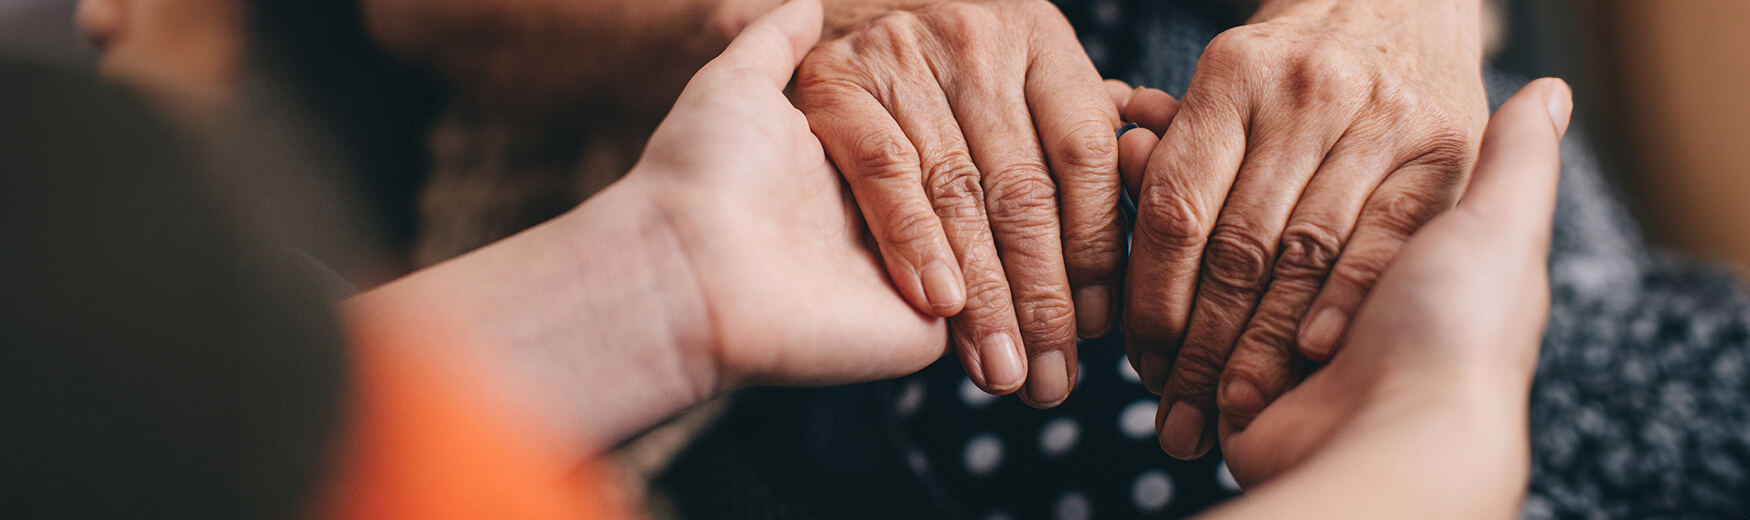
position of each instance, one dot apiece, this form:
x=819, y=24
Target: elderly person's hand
x=1445, y=346
x=978, y=140
x=1310, y=144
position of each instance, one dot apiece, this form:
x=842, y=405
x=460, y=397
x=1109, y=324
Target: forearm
x=583, y=323
x=1458, y=455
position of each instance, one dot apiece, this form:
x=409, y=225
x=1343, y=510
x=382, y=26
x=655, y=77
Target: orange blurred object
x=424, y=442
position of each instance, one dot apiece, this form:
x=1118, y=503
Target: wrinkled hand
x=958, y=126
x=1454, y=324
x=793, y=294
x=1310, y=144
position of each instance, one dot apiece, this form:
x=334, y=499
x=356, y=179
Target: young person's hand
x=1436, y=370
x=731, y=255
x=742, y=187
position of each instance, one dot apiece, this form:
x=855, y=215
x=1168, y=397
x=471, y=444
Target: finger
x=1154, y=109
x=1187, y=181
x=1021, y=207
x=1119, y=91
x=882, y=167
x=1513, y=189
x=775, y=43
x=1134, y=147
x=987, y=328
x=1285, y=148
x=1076, y=126
x=1264, y=362
x=1406, y=200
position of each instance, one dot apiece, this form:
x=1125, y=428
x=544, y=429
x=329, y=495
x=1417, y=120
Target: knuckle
x=1449, y=152
x=1093, y=256
x=1197, y=371
x=948, y=170
x=1089, y=151
x=882, y=156
x=1330, y=74
x=956, y=193
x=904, y=226
x=1359, y=271
x=1046, y=317
x=987, y=297
x=1236, y=52
x=962, y=25
x=1403, y=212
x=1236, y=261
x=894, y=25
x=1308, y=250
x=1170, y=220
x=1013, y=193
x=1267, y=343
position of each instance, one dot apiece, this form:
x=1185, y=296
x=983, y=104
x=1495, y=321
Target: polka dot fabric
x=1094, y=456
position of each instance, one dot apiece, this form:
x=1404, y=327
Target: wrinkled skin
x=978, y=140
x=1309, y=146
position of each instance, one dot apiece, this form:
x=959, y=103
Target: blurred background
x=1663, y=88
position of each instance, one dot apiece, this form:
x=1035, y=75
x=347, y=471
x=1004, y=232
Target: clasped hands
x=975, y=196
x=978, y=141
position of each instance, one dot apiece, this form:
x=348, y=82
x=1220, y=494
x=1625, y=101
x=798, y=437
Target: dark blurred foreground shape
x=157, y=362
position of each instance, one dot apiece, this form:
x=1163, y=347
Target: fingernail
x=1561, y=106
x=1242, y=398
x=942, y=288
x=1093, y=310
x=1126, y=128
x=1320, y=335
x=1048, y=381
x=1003, y=370
x=1183, y=431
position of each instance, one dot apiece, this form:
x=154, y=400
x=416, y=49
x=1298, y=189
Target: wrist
x=649, y=310
x=590, y=323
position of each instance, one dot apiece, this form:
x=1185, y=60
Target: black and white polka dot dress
x=1094, y=456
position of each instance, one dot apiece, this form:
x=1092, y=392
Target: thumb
x=774, y=44
x=1513, y=189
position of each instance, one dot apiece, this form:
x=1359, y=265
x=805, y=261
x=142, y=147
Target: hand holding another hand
x=1449, y=336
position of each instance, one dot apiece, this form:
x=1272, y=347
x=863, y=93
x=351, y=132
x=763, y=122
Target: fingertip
x=1518, y=165
x=1048, y=380
x=1154, y=109
x=1559, y=100
x=1240, y=400
x=776, y=42
x=1119, y=91
x=1319, y=335
x=943, y=290
x=1134, y=149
